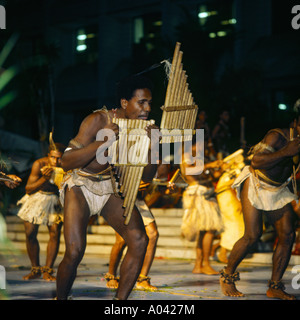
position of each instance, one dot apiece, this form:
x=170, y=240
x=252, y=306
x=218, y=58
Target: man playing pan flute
x=91, y=189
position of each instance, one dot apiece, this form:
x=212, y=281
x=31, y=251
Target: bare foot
x=230, y=290
x=279, y=294
x=197, y=270
x=48, y=277
x=222, y=256
x=227, y=283
x=111, y=281
x=35, y=273
x=209, y=270
x=205, y=270
x=113, y=284
x=47, y=274
x=143, y=283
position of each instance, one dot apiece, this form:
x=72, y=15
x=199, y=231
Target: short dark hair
x=127, y=86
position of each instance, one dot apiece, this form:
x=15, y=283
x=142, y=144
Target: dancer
x=263, y=187
x=143, y=281
x=40, y=206
x=198, y=201
x=230, y=206
x=91, y=190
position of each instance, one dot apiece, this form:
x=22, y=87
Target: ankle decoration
x=109, y=276
x=229, y=278
x=277, y=285
x=142, y=278
x=36, y=270
x=46, y=269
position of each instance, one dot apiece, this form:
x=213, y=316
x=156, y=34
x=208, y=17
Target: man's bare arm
x=35, y=180
x=267, y=159
x=79, y=158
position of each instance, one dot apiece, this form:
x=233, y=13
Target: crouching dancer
x=263, y=187
x=90, y=189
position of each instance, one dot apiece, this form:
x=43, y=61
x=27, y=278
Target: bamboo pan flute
x=129, y=156
x=179, y=110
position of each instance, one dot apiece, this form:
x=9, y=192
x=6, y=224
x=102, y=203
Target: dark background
x=244, y=57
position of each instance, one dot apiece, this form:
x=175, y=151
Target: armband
x=76, y=144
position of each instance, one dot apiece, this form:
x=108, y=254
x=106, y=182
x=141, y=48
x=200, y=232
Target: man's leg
x=114, y=261
x=286, y=236
x=253, y=231
x=33, y=250
x=76, y=218
x=136, y=239
x=143, y=280
x=52, y=250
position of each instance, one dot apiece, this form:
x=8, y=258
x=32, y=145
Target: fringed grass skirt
x=200, y=214
x=41, y=208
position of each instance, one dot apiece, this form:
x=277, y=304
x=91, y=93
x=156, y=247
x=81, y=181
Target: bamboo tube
x=138, y=172
x=130, y=189
x=177, y=75
x=123, y=156
x=179, y=110
x=176, y=83
x=170, y=84
x=178, y=94
x=181, y=101
x=181, y=92
x=132, y=203
x=130, y=124
x=133, y=186
x=131, y=172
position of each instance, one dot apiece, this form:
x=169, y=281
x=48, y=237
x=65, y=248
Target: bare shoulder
x=41, y=162
x=94, y=121
x=90, y=126
x=277, y=138
x=38, y=164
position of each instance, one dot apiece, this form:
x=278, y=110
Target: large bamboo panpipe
x=179, y=110
x=129, y=156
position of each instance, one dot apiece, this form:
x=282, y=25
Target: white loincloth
x=96, y=193
x=262, y=195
